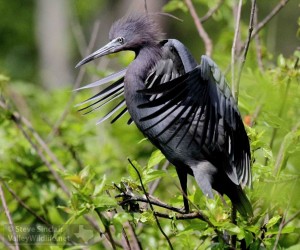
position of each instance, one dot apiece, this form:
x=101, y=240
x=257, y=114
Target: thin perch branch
x=211, y=11
x=150, y=204
x=245, y=49
x=8, y=216
x=202, y=33
x=233, y=49
x=268, y=18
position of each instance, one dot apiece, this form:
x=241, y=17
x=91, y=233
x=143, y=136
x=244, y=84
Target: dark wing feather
x=204, y=107
x=107, y=95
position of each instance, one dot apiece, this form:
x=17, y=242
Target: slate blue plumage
x=185, y=109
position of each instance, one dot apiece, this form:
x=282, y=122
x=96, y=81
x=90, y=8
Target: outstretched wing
x=202, y=106
x=112, y=93
x=177, y=60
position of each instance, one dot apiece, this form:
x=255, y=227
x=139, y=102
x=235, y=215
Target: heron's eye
x=121, y=40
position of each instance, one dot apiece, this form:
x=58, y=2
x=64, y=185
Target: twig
x=268, y=18
x=20, y=121
x=255, y=115
x=280, y=157
x=150, y=204
x=145, y=6
x=77, y=83
x=291, y=219
x=258, y=45
x=233, y=49
x=18, y=117
x=8, y=216
x=202, y=33
x=253, y=6
x=154, y=184
x=281, y=109
x=6, y=242
x=18, y=199
x=107, y=229
x=155, y=202
x=17, y=121
x=189, y=216
x=125, y=239
x=211, y=11
x=282, y=223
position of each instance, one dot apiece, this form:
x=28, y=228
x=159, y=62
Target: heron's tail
x=241, y=202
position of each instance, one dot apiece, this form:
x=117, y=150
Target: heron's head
x=131, y=32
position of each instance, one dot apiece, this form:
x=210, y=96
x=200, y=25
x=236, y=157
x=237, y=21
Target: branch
x=6, y=243
x=291, y=219
x=16, y=119
x=253, y=6
x=258, y=45
x=21, y=121
x=268, y=18
x=77, y=83
x=8, y=216
x=150, y=199
x=189, y=216
x=150, y=204
x=233, y=49
x=202, y=33
x=108, y=233
x=211, y=11
x=181, y=214
x=18, y=199
x=154, y=184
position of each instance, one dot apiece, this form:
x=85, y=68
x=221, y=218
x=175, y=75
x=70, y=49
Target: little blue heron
x=185, y=109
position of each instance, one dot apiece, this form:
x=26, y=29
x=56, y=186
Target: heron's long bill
x=111, y=47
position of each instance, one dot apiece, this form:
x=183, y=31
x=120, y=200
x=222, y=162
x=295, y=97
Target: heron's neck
x=136, y=76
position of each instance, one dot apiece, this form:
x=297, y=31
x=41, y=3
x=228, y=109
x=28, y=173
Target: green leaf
x=175, y=5
x=99, y=187
x=286, y=230
x=153, y=175
x=273, y=221
x=132, y=171
x=156, y=158
x=84, y=173
x=104, y=201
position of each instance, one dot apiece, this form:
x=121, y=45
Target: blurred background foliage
x=56, y=165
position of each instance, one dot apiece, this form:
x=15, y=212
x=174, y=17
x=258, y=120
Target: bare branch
x=258, y=44
x=268, y=18
x=189, y=216
x=77, y=83
x=233, y=49
x=20, y=121
x=153, y=201
x=202, y=33
x=253, y=6
x=6, y=242
x=291, y=219
x=150, y=204
x=145, y=6
x=8, y=216
x=154, y=184
x=211, y=11
x=22, y=203
x=108, y=233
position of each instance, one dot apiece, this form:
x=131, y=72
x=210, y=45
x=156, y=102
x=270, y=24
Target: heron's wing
x=204, y=108
x=113, y=92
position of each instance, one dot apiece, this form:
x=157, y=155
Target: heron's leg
x=182, y=175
